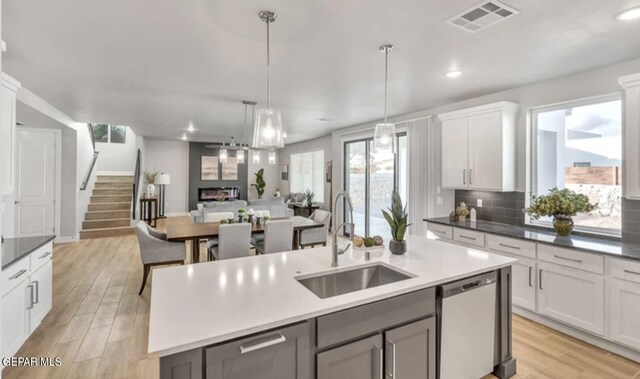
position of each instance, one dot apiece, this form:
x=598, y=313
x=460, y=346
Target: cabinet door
x=7, y=138
x=485, y=151
x=572, y=296
x=632, y=142
x=279, y=354
x=15, y=317
x=410, y=350
x=624, y=322
x=524, y=283
x=41, y=280
x=358, y=360
x=455, y=153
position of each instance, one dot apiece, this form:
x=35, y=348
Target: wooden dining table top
x=186, y=232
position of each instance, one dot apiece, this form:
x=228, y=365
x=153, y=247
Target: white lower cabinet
x=15, y=317
x=624, y=312
x=572, y=296
x=523, y=283
x=27, y=298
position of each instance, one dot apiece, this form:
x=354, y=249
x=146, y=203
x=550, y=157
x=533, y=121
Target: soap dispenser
x=473, y=215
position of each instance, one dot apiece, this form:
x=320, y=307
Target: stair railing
x=136, y=181
x=87, y=175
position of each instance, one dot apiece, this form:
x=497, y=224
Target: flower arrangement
x=309, y=195
x=462, y=211
x=562, y=205
x=150, y=176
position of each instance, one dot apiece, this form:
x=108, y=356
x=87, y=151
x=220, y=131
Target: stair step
x=115, y=178
x=112, y=192
x=107, y=214
x=114, y=185
x=115, y=206
x=111, y=199
x=106, y=232
x=101, y=224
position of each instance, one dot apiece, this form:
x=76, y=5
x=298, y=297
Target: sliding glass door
x=370, y=179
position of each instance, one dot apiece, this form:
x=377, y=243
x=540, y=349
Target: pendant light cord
x=386, y=75
x=268, y=67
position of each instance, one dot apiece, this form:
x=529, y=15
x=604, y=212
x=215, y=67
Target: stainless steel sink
x=341, y=282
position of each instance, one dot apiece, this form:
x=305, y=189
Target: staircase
x=109, y=211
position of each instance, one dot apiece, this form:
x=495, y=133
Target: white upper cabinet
x=8, y=89
x=478, y=147
x=631, y=85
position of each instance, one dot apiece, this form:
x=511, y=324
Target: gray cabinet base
x=505, y=364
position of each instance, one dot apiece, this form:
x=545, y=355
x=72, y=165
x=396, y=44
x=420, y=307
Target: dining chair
x=234, y=241
x=215, y=217
x=154, y=251
x=259, y=237
x=278, y=236
x=316, y=236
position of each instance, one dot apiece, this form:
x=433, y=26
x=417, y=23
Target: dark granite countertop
x=602, y=245
x=14, y=249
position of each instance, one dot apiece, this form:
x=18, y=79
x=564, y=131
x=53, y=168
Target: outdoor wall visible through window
x=579, y=146
x=307, y=173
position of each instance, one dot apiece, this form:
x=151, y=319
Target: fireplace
x=218, y=193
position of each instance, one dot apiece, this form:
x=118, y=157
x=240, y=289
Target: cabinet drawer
x=440, y=231
x=41, y=256
x=571, y=258
x=511, y=246
x=468, y=237
x=624, y=269
x=363, y=320
x=14, y=274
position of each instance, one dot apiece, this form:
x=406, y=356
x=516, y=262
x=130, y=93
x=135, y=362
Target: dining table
x=195, y=232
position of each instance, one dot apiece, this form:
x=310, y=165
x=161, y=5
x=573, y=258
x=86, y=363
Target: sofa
x=294, y=198
x=275, y=205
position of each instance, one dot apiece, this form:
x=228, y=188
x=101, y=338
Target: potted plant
x=397, y=219
x=309, y=195
x=260, y=183
x=462, y=212
x=240, y=214
x=265, y=219
x=562, y=205
x=150, y=178
x=224, y=221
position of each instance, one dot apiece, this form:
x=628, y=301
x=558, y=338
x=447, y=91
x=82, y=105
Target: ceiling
x=156, y=66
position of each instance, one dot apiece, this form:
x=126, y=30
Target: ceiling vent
x=482, y=16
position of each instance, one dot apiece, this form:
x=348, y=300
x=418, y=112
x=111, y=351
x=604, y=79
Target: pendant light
x=224, y=154
x=268, y=130
x=384, y=138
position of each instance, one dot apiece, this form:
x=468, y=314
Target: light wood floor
x=99, y=325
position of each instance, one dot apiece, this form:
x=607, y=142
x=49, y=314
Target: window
x=307, y=173
x=579, y=146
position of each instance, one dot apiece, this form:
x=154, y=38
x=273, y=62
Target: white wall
x=322, y=143
x=84, y=154
x=271, y=174
x=170, y=157
x=118, y=157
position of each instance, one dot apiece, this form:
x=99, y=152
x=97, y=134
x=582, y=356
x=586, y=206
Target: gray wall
x=503, y=207
x=197, y=150
x=170, y=157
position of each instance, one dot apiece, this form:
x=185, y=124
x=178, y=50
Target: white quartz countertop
x=206, y=303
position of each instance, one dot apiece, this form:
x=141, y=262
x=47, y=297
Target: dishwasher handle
x=469, y=284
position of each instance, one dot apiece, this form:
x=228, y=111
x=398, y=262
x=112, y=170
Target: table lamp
x=162, y=180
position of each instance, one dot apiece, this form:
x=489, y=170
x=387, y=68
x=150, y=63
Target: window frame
x=323, y=181
x=533, y=156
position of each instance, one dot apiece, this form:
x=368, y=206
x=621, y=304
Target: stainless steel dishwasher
x=468, y=319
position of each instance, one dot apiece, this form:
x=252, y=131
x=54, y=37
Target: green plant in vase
x=241, y=212
x=309, y=195
x=397, y=218
x=562, y=205
x=462, y=211
x=260, y=184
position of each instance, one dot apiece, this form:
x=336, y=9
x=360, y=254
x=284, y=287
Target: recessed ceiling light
x=324, y=120
x=454, y=73
x=184, y=136
x=191, y=128
x=629, y=14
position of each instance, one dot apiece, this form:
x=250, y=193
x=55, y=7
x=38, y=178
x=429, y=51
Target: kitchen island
x=206, y=318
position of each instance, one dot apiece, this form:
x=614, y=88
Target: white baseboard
x=67, y=239
x=580, y=334
x=115, y=173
